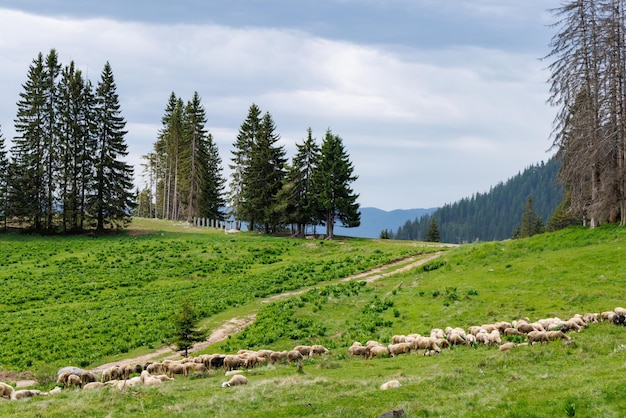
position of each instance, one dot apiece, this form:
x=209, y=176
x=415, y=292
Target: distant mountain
x=374, y=220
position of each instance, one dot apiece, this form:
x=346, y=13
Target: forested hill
x=492, y=216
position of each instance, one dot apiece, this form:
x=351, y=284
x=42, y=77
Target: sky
x=434, y=100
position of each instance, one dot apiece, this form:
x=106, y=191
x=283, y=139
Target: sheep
x=591, y=318
x=527, y=327
x=148, y=380
x=555, y=335
x=456, y=339
x=294, y=355
x=392, y=384
x=28, y=393
x=572, y=324
x=266, y=354
x=305, y=350
x=236, y=380
x=87, y=377
x=494, y=337
x=217, y=361
x=73, y=380
x=607, y=316
x=425, y=343
x=620, y=311
x=506, y=346
x=482, y=337
x=176, y=368
x=535, y=336
x=278, y=356
x=93, y=385
x=6, y=391
x=62, y=379
x=164, y=378
x=443, y=343
x=377, y=351
x=55, y=391
x=470, y=339
x=474, y=329
x=153, y=368
x=437, y=333
x=319, y=349
x=232, y=361
x=123, y=384
x=400, y=348
x=512, y=331
x=194, y=368
x=357, y=350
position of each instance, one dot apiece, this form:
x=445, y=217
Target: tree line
x=266, y=191
x=65, y=171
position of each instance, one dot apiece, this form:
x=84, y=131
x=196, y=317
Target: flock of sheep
x=540, y=331
x=156, y=373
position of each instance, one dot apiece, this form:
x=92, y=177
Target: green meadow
x=84, y=301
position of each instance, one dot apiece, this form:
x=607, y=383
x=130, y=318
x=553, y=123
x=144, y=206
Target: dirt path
x=235, y=325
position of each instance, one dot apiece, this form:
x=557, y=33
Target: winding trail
x=237, y=324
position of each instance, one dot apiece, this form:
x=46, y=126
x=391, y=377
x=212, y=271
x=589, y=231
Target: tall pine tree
x=333, y=176
x=4, y=178
x=112, y=198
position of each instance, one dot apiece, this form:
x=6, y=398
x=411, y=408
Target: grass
x=559, y=274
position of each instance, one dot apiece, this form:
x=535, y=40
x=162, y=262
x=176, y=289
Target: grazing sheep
x=506, y=346
x=153, y=368
x=572, y=324
x=620, y=311
x=294, y=355
x=176, y=368
x=456, y=339
x=400, y=348
x=375, y=351
x=392, y=384
x=93, y=385
x=265, y=354
x=474, y=329
x=87, y=377
x=319, y=349
x=28, y=393
x=305, y=350
x=512, y=331
x=217, y=361
x=278, y=356
x=397, y=339
x=426, y=344
x=148, y=380
x=236, y=380
x=556, y=335
x=470, y=339
x=232, y=362
x=494, y=337
x=357, y=350
x=72, y=380
x=607, y=316
x=482, y=337
x=62, y=379
x=194, y=368
x=535, y=336
x=443, y=343
x=437, y=333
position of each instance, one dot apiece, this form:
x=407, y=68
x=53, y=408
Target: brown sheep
x=555, y=335
x=375, y=351
x=153, y=368
x=426, y=344
x=232, y=362
x=357, y=350
x=318, y=349
x=305, y=350
x=87, y=377
x=73, y=380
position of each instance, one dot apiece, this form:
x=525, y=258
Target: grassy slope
x=574, y=271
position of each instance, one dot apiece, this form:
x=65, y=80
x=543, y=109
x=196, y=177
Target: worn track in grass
x=237, y=324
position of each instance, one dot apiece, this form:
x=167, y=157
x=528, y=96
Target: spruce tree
x=432, y=235
x=240, y=167
x=26, y=189
x=112, y=198
x=4, y=177
x=531, y=224
x=185, y=332
x=212, y=200
x=333, y=176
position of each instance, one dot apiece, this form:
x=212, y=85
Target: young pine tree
x=185, y=332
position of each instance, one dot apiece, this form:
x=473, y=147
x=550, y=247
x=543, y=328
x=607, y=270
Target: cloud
x=451, y=121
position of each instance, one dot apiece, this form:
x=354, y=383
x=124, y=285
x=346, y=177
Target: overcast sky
x=434, y=100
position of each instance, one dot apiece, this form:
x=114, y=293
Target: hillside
x=492, y=216
x=560, y=274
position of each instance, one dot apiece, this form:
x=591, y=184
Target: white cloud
x=436, y=125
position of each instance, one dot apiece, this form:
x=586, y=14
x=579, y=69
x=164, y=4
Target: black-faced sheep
x=236, y=380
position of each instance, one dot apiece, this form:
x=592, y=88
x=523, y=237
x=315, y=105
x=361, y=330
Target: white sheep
x=236, y=380
x=400, y=348
x=392, y=384
x=148, y=380
x=506, y=346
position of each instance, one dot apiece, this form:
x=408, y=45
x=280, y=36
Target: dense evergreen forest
x=495, y=214
x=65, y=170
